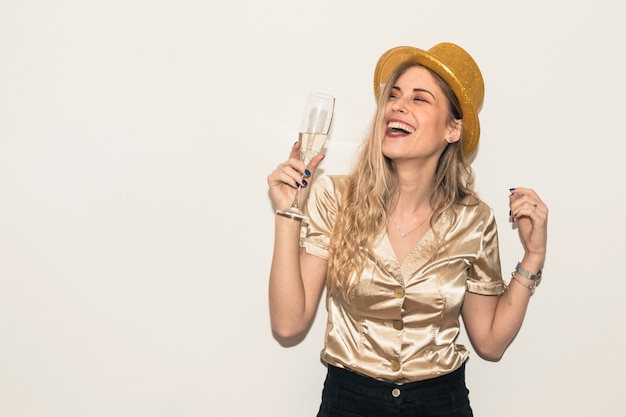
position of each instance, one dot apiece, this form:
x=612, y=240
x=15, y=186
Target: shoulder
x=330, y=185
x=335, y=181
x=473, y=205
x=324, y=203
x=327, y=193
x=472, y=213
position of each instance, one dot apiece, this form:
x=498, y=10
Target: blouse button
x=399, y=292
x=395, y=366
x=398, y=325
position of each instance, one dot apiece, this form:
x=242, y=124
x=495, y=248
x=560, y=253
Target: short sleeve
x=321, y=209
x=484, y=275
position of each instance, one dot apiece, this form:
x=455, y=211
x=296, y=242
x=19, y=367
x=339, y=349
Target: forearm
x=509, y=316
x=511, y=309
x=286, y=287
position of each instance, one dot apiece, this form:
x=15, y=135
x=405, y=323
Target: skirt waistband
x=361, y=395
x=347, y=376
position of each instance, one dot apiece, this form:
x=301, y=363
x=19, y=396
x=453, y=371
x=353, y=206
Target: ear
x=454, y=134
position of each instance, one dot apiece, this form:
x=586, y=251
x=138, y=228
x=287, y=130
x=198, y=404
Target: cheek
x=387, y=112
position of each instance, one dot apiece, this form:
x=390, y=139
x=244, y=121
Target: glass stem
x=295, y=205
x=296, y=199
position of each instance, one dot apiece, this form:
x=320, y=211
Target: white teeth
x=402, y=126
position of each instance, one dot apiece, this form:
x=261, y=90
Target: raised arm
x=296, y=277
x=493, y=321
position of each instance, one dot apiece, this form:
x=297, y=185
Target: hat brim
x=394, y=57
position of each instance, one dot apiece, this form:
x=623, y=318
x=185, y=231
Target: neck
x=414, y=190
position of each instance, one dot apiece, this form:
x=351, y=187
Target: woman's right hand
x=285, y=179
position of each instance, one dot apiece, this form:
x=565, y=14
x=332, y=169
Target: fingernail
x=307, y=172
x=511, y=189
x=304, y=183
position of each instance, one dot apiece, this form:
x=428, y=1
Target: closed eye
x=395, y=93
x=420, y=97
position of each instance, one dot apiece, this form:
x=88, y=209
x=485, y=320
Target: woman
x=403, y=247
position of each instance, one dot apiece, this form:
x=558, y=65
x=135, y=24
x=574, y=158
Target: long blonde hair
x=373, y=184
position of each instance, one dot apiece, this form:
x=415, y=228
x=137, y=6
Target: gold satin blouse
x=400, y=322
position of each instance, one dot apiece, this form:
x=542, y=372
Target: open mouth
x=398, y=128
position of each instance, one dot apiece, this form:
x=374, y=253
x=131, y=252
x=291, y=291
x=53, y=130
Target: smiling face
x=417, y=122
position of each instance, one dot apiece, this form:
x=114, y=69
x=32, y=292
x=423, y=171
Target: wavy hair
x=373, y=186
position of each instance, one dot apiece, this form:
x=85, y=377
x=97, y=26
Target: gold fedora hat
x=456, y=67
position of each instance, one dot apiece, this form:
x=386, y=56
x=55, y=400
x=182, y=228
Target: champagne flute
x=314, y=127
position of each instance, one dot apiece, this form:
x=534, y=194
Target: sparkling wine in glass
x=314, y=126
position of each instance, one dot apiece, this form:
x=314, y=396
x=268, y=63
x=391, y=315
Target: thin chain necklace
x=402, y=234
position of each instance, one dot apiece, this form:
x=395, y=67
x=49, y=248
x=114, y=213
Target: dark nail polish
x=304, y=183
x=512, y=189
x=307, y=172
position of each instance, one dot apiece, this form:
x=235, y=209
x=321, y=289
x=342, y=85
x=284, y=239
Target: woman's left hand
x=531, y=215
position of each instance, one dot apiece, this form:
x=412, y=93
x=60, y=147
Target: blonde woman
x=404, y=247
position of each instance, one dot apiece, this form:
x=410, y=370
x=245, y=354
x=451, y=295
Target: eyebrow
x=416, y=90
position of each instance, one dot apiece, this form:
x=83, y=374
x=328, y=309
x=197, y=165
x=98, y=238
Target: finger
x=294, y=172
x=526, y=202
x=316, y=161
x=520, y=192
x=527, y=209
x=537, y=213
x=283, y=174
x=290, y=176
x=295, y=151
x=280, y=170
x=524, y=195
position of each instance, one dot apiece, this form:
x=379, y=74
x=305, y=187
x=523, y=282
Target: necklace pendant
x=402, y=234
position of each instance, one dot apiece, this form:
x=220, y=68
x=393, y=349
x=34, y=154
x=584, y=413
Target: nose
x=398, y=106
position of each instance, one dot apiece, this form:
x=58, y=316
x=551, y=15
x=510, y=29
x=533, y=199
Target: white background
x=136, y=229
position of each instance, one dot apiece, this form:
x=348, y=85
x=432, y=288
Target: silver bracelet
x=530, y=287
x=527, y=274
